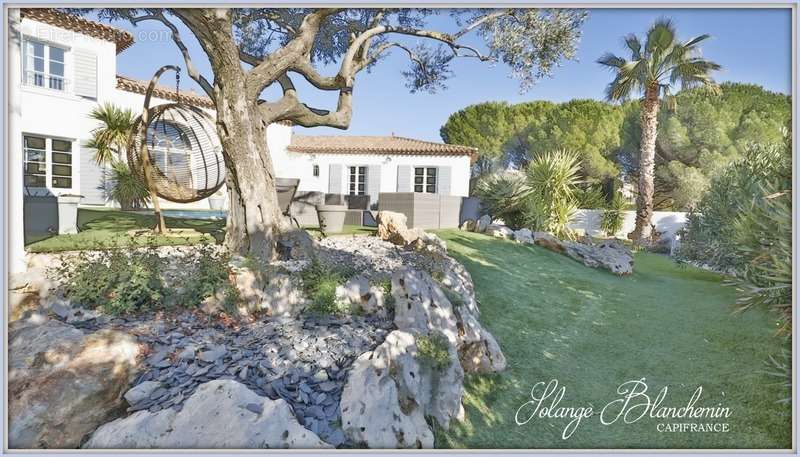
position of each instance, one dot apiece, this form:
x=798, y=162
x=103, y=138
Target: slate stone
x=255, y=408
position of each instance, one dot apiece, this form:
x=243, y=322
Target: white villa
x=65, y=66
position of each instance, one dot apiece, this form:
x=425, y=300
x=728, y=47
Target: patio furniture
x=357, y=202
x=331, y=218
x=287, y=188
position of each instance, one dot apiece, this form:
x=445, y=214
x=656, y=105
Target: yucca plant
x=504, y=196
x=553, y=178
x=125, y=187
x=652, y=69
x=613, y=216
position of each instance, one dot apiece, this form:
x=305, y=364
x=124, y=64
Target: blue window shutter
x=443, y=184
x=404, y=178
x=335, y=179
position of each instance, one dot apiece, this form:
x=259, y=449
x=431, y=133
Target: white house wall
x=301, y=165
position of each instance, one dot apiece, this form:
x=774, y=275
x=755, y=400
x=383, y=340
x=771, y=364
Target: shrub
x=590, y=197
x=709, y=233
x=553, y=178
x=125, y=187
x=613, y=216
x=120, y=281
x=763, y=236
x=116, y=281
x=504, y=196
x=432, y=351
x=319, y=283
x=209, y=275
x=743, y=225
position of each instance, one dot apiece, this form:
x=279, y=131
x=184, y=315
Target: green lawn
x=105, y=228
x=590, y=330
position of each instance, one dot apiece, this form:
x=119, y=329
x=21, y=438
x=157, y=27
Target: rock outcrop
x=362, y=297
x=610, y=255
x=390, y=390
x=524, y=236
x=422, y=306
x=221, y=414
x=499, y=231
x=392, y=228
x=64, y=383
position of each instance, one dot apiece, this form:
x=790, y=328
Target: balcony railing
x=40, y=79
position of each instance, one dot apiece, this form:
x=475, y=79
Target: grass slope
x=590, y=330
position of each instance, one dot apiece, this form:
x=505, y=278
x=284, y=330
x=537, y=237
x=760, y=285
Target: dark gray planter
x=331, y=218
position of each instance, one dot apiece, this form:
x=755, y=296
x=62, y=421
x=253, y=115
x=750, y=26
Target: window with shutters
x=48, y=162
x=44, y=65
x=358, y=180
x=425, y=180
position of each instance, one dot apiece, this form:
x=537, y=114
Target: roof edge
x=122, y=38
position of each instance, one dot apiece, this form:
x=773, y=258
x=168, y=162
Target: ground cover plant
x=126, y=281
x=592, y=330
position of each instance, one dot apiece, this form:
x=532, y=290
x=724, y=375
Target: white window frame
x=359, y=186
x=29, y=74
x=49, y=163
x=426, y=176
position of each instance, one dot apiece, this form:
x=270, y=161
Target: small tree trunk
x=647, y=154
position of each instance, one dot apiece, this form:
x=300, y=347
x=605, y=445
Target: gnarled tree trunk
x=647, y=155
x=254, y=217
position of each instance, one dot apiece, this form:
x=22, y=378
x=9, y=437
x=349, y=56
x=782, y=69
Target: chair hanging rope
x=184, y=161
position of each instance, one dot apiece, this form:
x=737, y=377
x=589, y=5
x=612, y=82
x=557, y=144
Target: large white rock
x=483, y=223
x=221, y=414
x=376, y=409
x=421, y=307
x=390, y=391
x=63, y=383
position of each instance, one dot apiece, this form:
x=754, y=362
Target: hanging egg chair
x=174, y=148
x=184, y=153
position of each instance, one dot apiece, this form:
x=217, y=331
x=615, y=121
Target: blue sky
x=752, y=45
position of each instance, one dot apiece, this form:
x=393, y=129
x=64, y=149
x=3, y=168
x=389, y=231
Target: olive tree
x=250, y=49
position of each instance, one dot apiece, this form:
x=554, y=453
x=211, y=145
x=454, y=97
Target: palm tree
x=110, y=141
x=652, y=70
x=111, y=138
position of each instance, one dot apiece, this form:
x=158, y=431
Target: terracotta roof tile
x=167, y=93
x=122, y=38
x=375, y=145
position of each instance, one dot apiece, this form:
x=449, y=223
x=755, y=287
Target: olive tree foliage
x=250, y=49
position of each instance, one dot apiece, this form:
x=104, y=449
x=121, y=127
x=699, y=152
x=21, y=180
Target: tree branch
x=191, y=70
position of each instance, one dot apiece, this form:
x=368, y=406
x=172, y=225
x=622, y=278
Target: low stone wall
x=668, y=222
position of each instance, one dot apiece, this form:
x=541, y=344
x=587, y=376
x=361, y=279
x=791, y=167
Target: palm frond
x=610, y=60
x=693, y=41
x=635, y=46
x=661, y=35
